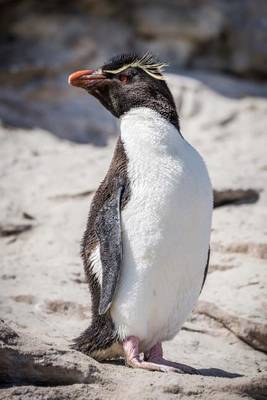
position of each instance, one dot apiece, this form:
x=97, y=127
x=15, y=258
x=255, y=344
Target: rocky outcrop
x=41, y=44
x=32, y=369
x=220, y=35
x=214, y=35
x=251, y=332
x=26, y=360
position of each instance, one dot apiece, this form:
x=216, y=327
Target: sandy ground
x=46, y=187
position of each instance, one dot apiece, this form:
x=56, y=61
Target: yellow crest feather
x=146, y=64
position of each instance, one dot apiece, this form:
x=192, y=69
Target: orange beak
x=85, y=78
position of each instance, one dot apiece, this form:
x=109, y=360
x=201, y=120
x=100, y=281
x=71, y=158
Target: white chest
x=165, y=229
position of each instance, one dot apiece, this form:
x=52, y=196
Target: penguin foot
x=132, y=356
x=155, y=355
x=153, y=360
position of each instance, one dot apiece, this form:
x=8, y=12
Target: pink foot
x=155, y=355
x=153, y=360
x=132, y=356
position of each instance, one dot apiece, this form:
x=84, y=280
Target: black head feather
x=120, y=60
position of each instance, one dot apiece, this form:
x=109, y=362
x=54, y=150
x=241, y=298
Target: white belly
x=165, y=229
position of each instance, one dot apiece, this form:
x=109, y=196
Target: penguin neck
x=165, y=107
x=147, y=127
x=161, y=105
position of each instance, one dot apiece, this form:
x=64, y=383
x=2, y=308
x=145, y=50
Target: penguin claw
x=170, y=366
x=161, y=367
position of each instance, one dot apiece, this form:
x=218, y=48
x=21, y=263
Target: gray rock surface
x=41, y=43
x=211, y=34
x=25, y=360
x=46, y=186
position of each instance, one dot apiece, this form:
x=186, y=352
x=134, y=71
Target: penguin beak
x=86, y=78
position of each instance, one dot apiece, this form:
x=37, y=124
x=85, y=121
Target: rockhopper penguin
x=146, y=245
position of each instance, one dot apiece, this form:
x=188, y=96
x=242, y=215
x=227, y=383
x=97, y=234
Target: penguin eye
x=124, y=78
x=127, y=76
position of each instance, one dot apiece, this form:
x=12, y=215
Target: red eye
x=124, y=78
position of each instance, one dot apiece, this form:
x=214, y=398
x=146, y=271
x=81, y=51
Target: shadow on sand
x=212, y=372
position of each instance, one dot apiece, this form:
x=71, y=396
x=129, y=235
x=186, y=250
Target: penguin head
x=128, y=81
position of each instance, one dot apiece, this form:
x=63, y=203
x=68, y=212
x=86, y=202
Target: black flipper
x=108, y=230
x=206, y=270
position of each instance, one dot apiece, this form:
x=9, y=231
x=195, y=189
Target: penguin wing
x=206, y=271
x=108, y=231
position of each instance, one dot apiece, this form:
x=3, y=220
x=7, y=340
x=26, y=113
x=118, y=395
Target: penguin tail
x=99, y=341
x=83, y=342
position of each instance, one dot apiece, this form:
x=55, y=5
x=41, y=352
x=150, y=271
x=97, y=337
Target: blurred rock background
x=55, y=146
x=41, y=42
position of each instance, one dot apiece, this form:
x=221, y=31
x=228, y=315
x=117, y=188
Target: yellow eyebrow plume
x=145, y=63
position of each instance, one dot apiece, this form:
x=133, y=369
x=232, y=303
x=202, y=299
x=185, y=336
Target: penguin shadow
x=209, y=372
x=218, y=373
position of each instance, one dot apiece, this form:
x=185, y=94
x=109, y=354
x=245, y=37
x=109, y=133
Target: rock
x=7, y=334
x=62, y=373
x=177, y=51
x=10, y=229
x=235, y=298
x=241, y=196
x=28, y=361
x=39, y=51
x=38, y=54
x=253, y=333
x=195, y=22
x=169, y=387
x=216, y=30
